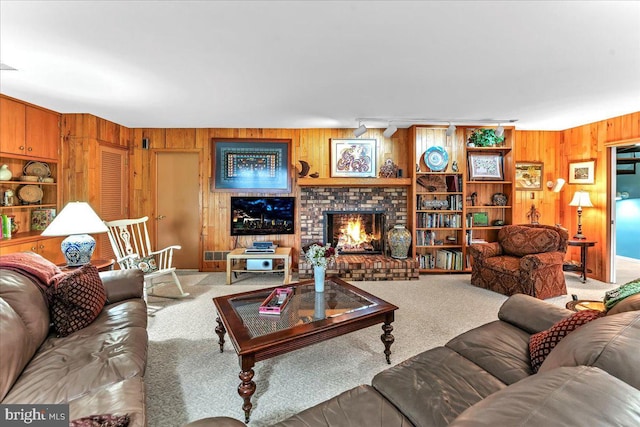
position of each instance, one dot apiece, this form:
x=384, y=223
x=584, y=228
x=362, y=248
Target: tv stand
x=237, y=262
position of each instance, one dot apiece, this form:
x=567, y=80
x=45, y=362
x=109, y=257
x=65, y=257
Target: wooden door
x=178, y=206
x=12, y=127
x=114, y=199
x=42, y=133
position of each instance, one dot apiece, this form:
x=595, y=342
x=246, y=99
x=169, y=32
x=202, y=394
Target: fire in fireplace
x=355, y=232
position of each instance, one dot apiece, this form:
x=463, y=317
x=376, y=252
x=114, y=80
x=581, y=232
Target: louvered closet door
x=113, y=192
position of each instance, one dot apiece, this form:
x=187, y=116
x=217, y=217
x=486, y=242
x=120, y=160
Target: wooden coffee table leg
x=387, y=339
x=247, y=387
x=220, y=330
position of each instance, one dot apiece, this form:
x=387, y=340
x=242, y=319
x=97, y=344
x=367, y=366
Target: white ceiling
x=293, y=64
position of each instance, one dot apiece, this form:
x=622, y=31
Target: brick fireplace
x=389, y=204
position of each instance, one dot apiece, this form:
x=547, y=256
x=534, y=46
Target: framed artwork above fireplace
x=354, y=158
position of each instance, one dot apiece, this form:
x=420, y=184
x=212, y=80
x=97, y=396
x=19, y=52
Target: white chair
x=130, y=242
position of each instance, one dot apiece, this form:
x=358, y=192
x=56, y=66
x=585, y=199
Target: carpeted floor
x=188, y=378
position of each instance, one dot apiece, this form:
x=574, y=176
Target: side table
x=582, y=266
x=101, y=265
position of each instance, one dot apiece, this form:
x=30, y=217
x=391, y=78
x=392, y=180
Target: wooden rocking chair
x=131, y=245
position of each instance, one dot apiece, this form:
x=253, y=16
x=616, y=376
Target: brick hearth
x=392, y=201
x=366, y=267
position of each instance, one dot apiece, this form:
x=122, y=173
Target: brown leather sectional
x=98, y=370
x=483, y=377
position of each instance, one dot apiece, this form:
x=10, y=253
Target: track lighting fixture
x=451, y=130
x=389, y=131
x=360, y=131
x=499, y=130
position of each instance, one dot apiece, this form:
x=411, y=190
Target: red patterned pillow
x=541, y=344
x=78, y=298
x=106, y=420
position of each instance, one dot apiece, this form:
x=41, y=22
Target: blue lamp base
x=77, y=249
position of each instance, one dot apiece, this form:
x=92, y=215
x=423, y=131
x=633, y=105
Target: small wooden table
x=101, y=265
x=309, y=317
x=233, y=266
x=582, y=266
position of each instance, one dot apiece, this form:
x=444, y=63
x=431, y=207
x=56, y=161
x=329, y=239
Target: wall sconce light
x=451, y=129
x=556, y=185
x=360, y=131
x=499, y=130
x=389, y=131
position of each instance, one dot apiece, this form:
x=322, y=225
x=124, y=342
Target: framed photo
x=353, y=158
x=582, y=172
x=480, y=219
x=251, y=165
x=529, y=175
x=485, y=166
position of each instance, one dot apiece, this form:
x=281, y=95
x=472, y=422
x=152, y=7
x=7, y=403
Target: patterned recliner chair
x=526, y=259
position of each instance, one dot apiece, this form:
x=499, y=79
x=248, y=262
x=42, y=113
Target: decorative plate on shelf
x=38, y=169
x=30, y=193
x=436, y=158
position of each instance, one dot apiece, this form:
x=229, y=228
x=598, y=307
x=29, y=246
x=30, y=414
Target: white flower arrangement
x=320, y=256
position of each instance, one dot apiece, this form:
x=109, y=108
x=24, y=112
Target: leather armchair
x=526, y=259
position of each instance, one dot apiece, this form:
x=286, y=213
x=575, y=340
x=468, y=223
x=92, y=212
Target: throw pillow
x=106, y=420
x=146, y=264
x=541, y=344
x=78, y=298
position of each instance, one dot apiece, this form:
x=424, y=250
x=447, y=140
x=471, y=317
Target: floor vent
x=215, y=255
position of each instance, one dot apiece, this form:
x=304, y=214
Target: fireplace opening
x=355, y=232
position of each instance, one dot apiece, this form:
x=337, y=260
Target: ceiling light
x=451, y=129
x=389, y=131
x=499, y=130
x=360, y=131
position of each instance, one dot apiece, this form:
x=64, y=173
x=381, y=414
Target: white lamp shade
x=581, y=199
x=75, y=218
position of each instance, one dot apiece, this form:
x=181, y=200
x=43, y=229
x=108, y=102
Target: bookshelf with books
x=438, y=201
x=456, y=203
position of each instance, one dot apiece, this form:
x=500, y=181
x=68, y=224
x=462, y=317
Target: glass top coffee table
x=308, y=317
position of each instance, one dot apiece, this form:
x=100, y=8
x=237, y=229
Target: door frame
x=153, y=229
x=611, y=147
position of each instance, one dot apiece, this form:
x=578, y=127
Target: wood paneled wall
x=589, y=142
x=82, y=133
x=311, y=145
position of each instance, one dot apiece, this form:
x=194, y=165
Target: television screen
x=252, y=216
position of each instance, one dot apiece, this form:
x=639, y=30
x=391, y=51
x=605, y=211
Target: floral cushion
x=106, y=420
x=146, y=264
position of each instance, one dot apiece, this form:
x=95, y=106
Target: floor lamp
x=581, y=200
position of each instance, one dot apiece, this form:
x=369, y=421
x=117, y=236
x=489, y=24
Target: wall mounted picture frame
x=353, y=158
x=250, y=164
x=529, y=175
x=583, y=172
x=485, y=167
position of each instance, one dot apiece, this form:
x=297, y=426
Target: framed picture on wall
x=354, y=158
x=582, y=172
x=251, y=165
x=485, y=166
x=529, y=175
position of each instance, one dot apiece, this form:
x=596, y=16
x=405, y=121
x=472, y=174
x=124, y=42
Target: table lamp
x=76, y=220
x=581, y=200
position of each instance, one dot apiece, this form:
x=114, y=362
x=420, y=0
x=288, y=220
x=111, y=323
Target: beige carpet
x=188, y=379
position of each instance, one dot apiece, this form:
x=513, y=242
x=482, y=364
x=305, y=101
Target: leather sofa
x=484, y=377
x=525, y=259
x=97, y=370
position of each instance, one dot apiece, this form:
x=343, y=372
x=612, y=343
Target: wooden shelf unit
x=441, y=231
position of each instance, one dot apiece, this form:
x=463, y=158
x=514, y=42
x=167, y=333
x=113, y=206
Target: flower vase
x=399, y=239
x=318, y=275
